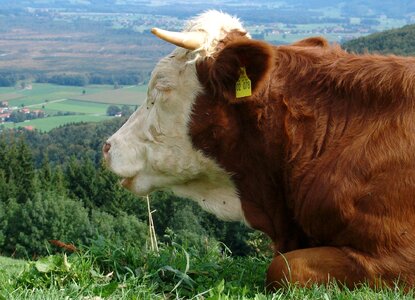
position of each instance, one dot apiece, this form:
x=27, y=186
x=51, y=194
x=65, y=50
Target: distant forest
x=11, y=78
x=54, y=186
x=396, y=41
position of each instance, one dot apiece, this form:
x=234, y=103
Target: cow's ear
x=230, y=63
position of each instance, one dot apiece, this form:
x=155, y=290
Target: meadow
x=205, y=270
x=49, y=123
x=69, y=104
x=131, y=95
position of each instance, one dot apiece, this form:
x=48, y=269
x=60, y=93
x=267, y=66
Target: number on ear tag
x=243, y=85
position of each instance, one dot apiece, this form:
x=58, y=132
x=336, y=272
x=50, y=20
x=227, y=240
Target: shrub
x=48, y=216
x=3, y=224
x=125, y=228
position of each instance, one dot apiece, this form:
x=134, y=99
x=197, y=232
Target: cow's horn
x=189, y=40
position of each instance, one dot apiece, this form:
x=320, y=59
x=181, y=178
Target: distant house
x=4, y=104
x=4, y=117
x=29, y=128
x=38, y=112
x=25, y=110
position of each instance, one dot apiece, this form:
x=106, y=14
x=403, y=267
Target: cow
x=308, y=143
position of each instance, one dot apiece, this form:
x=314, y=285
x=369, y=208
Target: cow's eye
x=163, y=87
x=162, y=93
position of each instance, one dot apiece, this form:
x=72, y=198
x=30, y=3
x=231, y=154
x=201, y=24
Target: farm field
x=69, y=104
x=127, y=96
x=9, y=96
x=73, y=106
x=47, y=124
x=42, y=92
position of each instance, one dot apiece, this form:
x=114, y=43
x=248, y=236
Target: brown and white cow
x=321, y=156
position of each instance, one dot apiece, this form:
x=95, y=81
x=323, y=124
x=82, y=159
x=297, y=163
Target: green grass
x=80, y=107
x=47, y=124
x=7, y=90
x=9, y=269
x=43, y=92
x=90, y=106
x=127, y=96
x=11, y=266
x=204, y=270
x=9, y=96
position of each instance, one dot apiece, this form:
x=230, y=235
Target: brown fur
x=322, y=153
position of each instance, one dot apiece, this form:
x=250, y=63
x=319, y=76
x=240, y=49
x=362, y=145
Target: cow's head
x=154, y=149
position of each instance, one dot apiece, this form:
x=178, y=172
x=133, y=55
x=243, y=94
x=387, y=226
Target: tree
x=24, y=173
x=45, y=174
x=113, y=110
x=69, y=79
x=11, y=190
x=82, y=180
x=58, y=181
x=123, y=227
x=189, y=222
x=4, y=195
x=187, y=225
x=47, y=216
x=109, y=193
x=17, y=117
x=3, y=223
x=8, y=80
x=3, y=153
x=10, y=157
x=126, y=111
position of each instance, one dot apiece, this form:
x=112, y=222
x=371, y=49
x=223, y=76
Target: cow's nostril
x=106, y=148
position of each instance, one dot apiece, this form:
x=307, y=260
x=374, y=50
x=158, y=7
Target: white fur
x=216, y=25
x=153, y=147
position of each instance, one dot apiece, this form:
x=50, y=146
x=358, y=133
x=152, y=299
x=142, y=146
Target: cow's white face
x=153, y=149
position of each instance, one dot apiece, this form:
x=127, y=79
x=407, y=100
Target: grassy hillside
x=205, y=271
x=396, y=41
x=10, y=266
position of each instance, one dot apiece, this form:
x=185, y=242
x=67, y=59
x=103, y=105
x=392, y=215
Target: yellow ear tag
x=243, y=85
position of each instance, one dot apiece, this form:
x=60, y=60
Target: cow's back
x=351, y=170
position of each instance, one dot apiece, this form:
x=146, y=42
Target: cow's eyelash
x=154, y=96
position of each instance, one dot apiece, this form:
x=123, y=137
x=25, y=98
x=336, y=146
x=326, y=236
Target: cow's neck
x=262, y=184
x=245, y=140
x=215, y=193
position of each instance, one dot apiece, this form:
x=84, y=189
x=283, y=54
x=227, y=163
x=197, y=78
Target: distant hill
x=396, y=41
